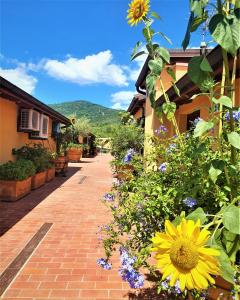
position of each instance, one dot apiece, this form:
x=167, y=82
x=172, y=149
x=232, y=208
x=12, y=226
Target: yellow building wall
x=9, y=136
x=201, y=103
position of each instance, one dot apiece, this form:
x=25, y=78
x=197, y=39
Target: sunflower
x=138, y=9
x=181, y=255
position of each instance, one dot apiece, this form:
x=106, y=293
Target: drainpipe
x=140, y=91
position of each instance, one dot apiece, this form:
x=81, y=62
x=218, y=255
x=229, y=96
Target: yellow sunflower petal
x=203, y=237
x=170, y=229
x=182, y=281
x=209, y=251
x=168, y=271
x=189, y=282
x=174, y=277
x=199, y=279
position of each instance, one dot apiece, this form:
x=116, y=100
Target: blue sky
x=65, y=50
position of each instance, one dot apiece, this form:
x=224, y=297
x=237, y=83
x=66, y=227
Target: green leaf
x=205, y=66
x=197, y=7
x=231, y=218
x=148, y=34
x=176, y=89
x=195, y=69
x=197, y=214
x=197, y=22
x=155, y=15
x=214, y=173
x=156, y=66
x=169, y=109
x=164, y=54
x=164, y=36
x=152, y=98
x=135, y=49
x=150, y=82
x=137, y=54
x=188, y=32
x=171, y=73
x=234, y=139
x=224, y=100
x=201, y=127
x=227, y=271
x=225, y=31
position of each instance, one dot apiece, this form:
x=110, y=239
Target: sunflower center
x=183, y=254
x=138, y=11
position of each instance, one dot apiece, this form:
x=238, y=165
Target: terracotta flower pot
x=125, y=172
x=222, y=290
x=38, y=179
x=50, y=174
x=74, y=155
x=61, y=164
x=11, y=190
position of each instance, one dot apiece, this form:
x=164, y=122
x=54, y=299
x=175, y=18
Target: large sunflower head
x=137, y=10
x=182, y=255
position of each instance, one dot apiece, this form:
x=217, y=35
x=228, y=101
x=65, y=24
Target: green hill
x=102, y=118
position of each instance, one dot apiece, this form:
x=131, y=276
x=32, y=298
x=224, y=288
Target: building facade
x=25, y=120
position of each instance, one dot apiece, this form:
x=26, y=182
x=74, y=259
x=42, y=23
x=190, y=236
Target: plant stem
x=230, y=95
x=174, y=121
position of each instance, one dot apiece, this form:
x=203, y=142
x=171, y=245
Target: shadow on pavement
x=12, y=212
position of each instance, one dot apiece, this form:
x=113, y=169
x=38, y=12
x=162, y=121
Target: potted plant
x=51, y=167
x=74, y=152
x=15, y=179
x=40, y=158
x=61, y=161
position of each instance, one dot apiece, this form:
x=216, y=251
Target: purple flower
x=129, y=155
x=165, y=285
x=108, y=197
x=104, y=264
x=190, y=202
x=163, y=167
x=171, y=148
x=127, y=271
x=177, y=288
x=236, y=116
x=161, y=130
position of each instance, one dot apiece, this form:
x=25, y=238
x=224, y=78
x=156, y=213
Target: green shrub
x=39, y=155
x=126, y=137
x=75, y=146
x=19, y=170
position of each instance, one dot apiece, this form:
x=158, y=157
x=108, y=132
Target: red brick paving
x=64, y=264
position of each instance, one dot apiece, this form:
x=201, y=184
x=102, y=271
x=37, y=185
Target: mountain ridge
x=103, y=119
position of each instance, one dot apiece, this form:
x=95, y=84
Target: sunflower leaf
x=137, y=54
x=197, y=214
x=155, y=15
x=135, y=49
x=231, y=219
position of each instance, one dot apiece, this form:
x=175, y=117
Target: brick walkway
x=63, y=266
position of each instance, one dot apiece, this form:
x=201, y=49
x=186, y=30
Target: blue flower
x=129, y=155
x=127, y=271
x=108, y=197
x=236, y=116
x=161, y=130
x=104, y=264
x=190, y=202
x=163, y=167
x=171, y=148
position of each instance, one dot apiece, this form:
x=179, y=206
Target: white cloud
x=122, y=99
x=20, y=78
x=96, y=68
